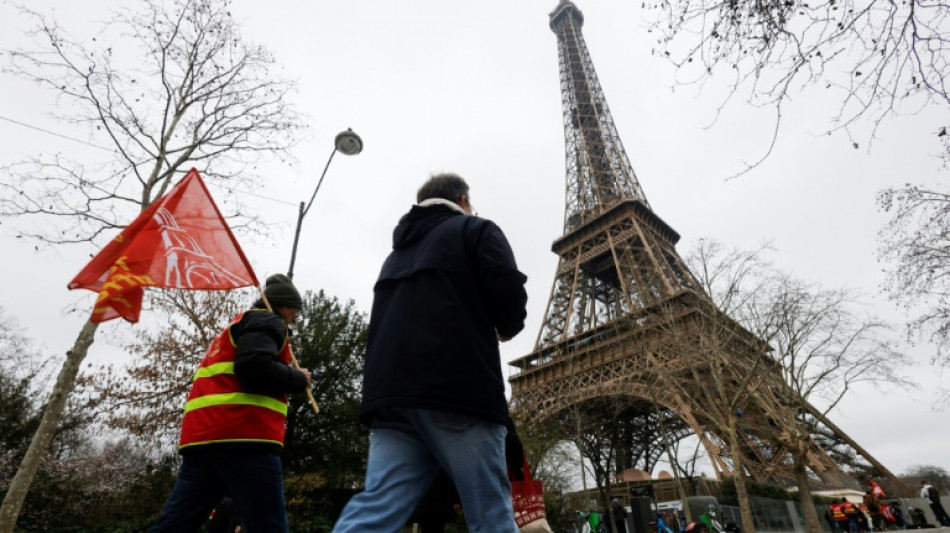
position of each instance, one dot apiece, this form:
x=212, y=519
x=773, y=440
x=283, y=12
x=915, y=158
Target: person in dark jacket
x=619, y=514
x=932, y=495
x=233, y=429
x=433, y=390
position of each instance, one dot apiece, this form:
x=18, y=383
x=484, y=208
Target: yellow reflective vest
x=219, y=409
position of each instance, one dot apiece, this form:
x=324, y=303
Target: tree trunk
x=812, y=525
x=676, y=473
x=738, y=476
x=605, y=496
x=20, y=486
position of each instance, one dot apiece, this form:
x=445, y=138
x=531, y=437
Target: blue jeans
x=252, y=478
x=853, y=524
x=407, y=447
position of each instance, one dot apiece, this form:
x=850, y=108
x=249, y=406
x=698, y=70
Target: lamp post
x=347, y=143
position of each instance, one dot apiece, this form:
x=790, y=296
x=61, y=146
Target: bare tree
x=23, y=372
x=916, y=244
x=883, y=58
x=815, y=347
x=824, y=346
x=936, y=475
x=20, y=359
x=598, y=425
x=671, y=447
x=161, y=89
x=687, y=457
x=732, y=367
x=824, y=349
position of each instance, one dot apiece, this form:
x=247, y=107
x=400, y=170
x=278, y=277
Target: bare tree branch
x=818, y=346
x=883, y=58
x=164, y=89
x=916, y=245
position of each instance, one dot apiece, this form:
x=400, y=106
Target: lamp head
x=348, y=143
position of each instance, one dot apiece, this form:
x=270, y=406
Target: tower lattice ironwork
x=629, y=337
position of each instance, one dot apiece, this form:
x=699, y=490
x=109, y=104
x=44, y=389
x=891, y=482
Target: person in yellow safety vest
x=839, y=520
x=233, y=429
x=851, y=512
x=837, y=512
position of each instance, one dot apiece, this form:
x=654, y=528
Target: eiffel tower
x=628, y=332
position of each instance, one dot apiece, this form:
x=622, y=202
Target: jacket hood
x=418, y=222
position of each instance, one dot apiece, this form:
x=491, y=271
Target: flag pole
x=293, y=359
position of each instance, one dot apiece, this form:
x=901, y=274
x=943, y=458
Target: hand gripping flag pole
x=293, y=358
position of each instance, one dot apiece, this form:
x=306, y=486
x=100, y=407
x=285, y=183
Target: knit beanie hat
x=280, y=292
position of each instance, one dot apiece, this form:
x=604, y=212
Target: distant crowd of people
x=875, y=514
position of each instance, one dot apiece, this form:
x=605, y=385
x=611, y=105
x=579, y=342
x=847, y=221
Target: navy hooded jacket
x=447, y=292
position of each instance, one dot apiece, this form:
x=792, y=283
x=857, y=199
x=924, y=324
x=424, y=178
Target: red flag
x=180, y=241
x=876, y=489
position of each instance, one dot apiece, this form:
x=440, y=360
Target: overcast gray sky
x=472, y=87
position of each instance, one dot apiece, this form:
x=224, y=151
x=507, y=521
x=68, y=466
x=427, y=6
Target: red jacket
x=849, y=509
x=838, y=512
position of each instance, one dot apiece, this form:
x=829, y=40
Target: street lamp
x=347, y=143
